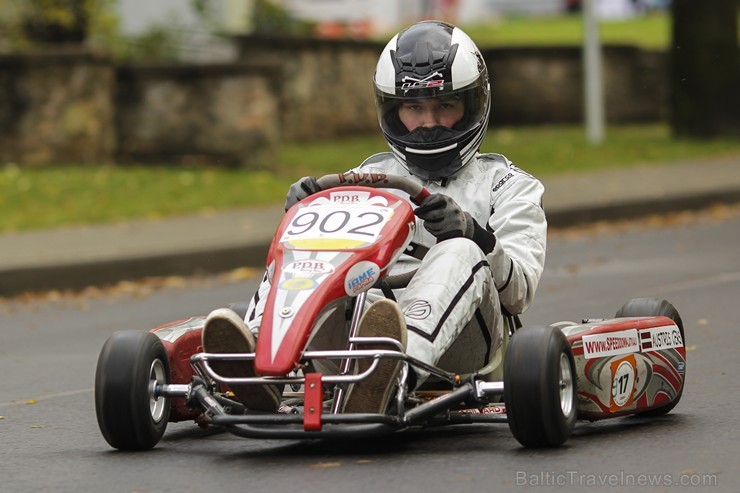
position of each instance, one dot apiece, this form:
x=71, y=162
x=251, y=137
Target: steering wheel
x=417, y=194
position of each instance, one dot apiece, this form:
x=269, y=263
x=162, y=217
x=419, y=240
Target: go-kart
x=328, y=251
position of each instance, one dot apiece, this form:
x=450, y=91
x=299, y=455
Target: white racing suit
x=453, y=305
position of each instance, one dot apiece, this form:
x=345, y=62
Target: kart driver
x=484, y=228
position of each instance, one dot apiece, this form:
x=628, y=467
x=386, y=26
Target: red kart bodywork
x=313, y=281
x=181, y=340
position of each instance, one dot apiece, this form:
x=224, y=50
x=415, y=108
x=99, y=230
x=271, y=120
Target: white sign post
x=593, y=82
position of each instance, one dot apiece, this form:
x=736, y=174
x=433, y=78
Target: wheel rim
x=156, y=378
x=566, y=386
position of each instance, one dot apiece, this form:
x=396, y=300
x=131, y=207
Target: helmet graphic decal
x=410, y=82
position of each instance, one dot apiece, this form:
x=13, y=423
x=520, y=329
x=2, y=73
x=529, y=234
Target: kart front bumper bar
x=321, y=424
x=291, y=426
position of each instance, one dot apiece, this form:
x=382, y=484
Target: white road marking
x=22, y=402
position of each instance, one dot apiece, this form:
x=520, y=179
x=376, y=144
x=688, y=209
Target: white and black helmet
x=432, y=59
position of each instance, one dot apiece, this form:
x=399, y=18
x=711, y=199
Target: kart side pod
x=633, y=364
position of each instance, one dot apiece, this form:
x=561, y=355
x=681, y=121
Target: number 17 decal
x=623, y=382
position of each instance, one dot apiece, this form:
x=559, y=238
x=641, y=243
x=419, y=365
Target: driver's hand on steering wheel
x=444, y=219
x=308, y=185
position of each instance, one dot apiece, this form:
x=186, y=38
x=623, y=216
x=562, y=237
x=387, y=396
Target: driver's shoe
x=372, y=395
x=226, y=332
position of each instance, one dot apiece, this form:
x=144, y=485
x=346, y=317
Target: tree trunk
x=705, y=74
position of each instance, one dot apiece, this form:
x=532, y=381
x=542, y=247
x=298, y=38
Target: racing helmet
x=432, y=61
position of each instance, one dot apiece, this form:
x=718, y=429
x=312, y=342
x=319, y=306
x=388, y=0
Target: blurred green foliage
x=29, y=23
x=270, y=18
x=652, y=31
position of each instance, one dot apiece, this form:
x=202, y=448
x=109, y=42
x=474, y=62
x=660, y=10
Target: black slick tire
x=540, y=387
x=130, y=365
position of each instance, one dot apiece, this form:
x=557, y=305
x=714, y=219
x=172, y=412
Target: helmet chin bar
x=430, y=151
x=432, y=164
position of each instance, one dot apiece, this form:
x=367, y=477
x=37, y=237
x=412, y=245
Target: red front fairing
x=334, y=244
x=181, y=340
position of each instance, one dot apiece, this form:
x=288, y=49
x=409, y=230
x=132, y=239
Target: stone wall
x=56, y=108
x=327, y=89
x=79, y=108
x=326, y=85
x=545, y=85
x=205, y=114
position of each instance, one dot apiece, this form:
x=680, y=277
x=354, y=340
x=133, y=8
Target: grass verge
x=651, y=31
x=63, y=195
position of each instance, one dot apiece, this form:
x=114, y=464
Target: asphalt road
x=49, y=440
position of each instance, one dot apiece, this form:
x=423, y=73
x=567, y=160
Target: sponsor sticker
x=490, y=409
x=298, y=284
x=610, y=344
x=361, y=277
x=309, y=267
x=348, y=197
x=623, y=382
x=658, y=338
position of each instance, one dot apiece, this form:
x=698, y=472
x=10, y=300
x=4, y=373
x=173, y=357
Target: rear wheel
x=540, y=387
x=654, y=307
x=131, y=365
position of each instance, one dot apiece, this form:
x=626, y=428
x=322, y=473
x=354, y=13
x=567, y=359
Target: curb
x=637, y=209
x=78, y=275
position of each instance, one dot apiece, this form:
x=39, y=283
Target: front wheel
x=540, y=387
x=131, y=365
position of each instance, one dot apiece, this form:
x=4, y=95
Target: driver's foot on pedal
x=382, y=319
x=226, y=332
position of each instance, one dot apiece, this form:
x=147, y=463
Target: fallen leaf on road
x=323, y=465
x=29, y=402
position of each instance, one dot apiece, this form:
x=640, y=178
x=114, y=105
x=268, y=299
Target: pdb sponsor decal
x=610, y=344
x=658, y=338
x=361, y=277
x=309, y=267
x=348, y=197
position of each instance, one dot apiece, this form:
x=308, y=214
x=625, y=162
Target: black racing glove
x=300, y=190
x=444, y=219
